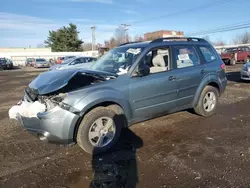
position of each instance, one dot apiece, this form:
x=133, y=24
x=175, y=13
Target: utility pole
x=93, y=37
x=125, y=33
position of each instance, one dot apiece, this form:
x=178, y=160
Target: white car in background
x=75, y=63
x=245, y=72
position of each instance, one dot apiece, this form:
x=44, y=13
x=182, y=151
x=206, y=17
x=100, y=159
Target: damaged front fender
x=104, y=95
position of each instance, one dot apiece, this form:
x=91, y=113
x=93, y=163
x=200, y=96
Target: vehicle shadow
x=117, y=168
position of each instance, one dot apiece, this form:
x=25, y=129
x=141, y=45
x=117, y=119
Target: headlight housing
x=245, y=68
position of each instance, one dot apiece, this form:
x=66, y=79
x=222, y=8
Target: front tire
x=208, y=102
x=99, y=130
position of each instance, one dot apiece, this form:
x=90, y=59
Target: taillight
x=223, y=66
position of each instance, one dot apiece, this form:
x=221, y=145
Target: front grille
x=244, y=76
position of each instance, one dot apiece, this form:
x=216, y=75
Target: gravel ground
x=178, y=150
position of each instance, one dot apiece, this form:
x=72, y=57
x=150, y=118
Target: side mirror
x=143, y=70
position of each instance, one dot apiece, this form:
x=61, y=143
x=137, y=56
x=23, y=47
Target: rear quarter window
x=208, y=54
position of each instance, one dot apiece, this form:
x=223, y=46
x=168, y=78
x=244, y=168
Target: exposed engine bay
x=33, y=102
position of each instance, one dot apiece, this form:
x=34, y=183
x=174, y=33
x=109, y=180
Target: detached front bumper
x=245, y=75
x=54, y=126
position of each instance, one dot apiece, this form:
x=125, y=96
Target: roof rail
x=179, y=38
x=127, y=43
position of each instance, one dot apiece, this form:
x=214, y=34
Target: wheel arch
x=104, y=102
x=208, y=81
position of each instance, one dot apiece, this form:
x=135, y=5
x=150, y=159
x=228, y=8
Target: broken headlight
x=52, y=101
x=65, y=106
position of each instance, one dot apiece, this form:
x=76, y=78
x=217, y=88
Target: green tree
x=64, y=39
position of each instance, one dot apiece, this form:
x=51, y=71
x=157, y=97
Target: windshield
x=67, y=61
x=230, y=50
x=117, y=60
x=2, y=60
x=40, y=60
x=68, y=57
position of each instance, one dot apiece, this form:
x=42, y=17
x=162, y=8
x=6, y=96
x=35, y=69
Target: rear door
x=189, y=73
x=242, y=54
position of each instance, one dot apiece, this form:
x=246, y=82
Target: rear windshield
x=2, y=60
x=230, y=50
x=40, y=60
x=29, y=59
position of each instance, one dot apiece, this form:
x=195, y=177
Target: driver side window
x=158, y=60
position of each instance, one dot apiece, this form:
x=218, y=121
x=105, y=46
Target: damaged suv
x=131, y=83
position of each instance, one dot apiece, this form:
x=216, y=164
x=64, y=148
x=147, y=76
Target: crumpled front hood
x=52, y=81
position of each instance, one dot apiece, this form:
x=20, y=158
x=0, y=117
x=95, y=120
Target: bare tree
x=207, y=38
x=245, y=38
x=242, y=39
x=138, y=38
x=219, y=42
x=120, y=35
x=87, y=46
x=111, y=43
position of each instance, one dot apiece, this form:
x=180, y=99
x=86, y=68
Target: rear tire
x=89, y=125
x=205, y=106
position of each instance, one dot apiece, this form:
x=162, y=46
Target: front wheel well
x=111, y=104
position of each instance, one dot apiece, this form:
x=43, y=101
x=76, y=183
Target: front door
x=243, y=53
x=154, y=94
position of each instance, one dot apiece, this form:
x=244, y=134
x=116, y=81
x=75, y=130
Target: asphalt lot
x=178, y=150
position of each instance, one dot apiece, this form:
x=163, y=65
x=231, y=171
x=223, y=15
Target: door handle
x=202, y=71
x=172, y=78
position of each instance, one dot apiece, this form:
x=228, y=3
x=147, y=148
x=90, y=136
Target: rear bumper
x=244, y=75
x=223, y=84
x=3, y=66
x=55, y=126
x=42, y=66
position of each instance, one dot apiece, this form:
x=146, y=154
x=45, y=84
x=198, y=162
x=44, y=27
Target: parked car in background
x=233, y=55
x=41, y=63
x=75, y=63
x=29, y=62
x=59, y=60
x=131, y=83
x=245, y=72
x=6, y=63
x=67, y=57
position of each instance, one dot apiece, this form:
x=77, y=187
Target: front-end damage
x=42, y=110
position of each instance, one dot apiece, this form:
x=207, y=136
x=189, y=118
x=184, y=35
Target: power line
x=203, y=6
x=222, y=29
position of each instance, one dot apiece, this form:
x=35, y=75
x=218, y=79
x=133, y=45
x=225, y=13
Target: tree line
x=66, y=39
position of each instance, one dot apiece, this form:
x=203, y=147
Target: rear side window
x=186, y=56
x=246, y=49
x=207, y=53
